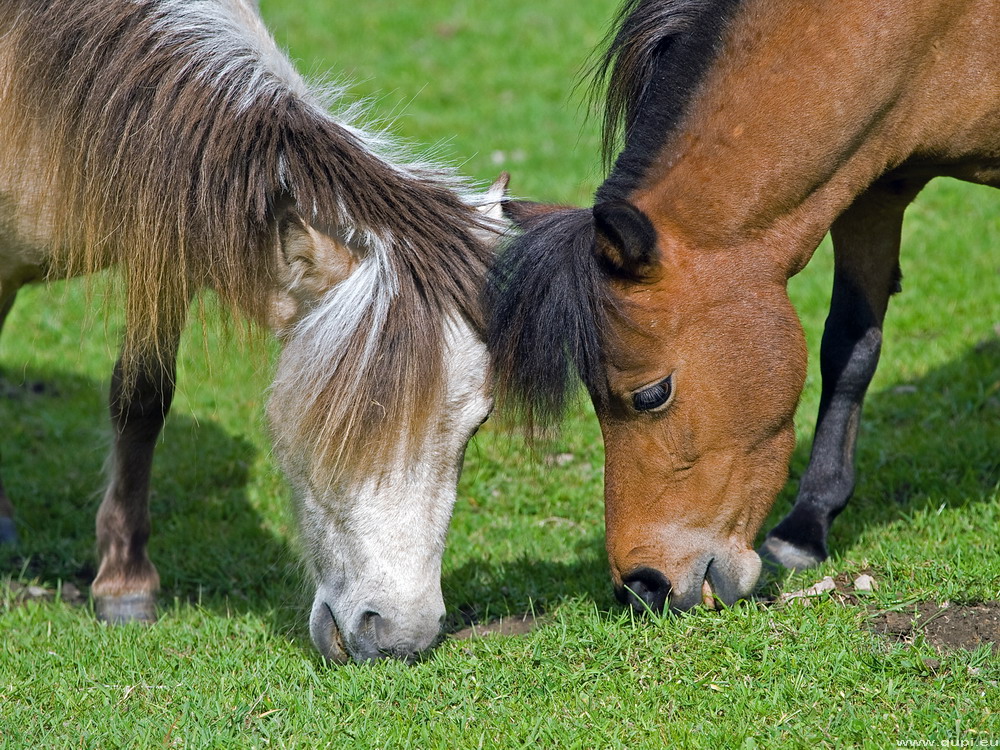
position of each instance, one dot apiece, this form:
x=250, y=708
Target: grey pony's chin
x=326, y=636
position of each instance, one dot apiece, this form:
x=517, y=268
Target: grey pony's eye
x=655, y=396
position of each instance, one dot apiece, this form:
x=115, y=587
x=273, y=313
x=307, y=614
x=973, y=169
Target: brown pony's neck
x=793, y=120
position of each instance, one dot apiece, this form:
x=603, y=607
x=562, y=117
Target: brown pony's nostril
x=644, y=590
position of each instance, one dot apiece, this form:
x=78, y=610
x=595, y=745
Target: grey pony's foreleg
x=866, y=273
x=126, y=583
x=8, y=531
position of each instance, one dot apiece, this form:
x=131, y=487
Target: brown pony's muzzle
x=712, y=580
x=680, y=564
x=676, y=539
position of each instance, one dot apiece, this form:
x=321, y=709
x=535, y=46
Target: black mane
x=548, y=301
x=656, y=56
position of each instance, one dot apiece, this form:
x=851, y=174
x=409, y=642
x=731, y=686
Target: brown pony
x=750, y=129
x=173, y=140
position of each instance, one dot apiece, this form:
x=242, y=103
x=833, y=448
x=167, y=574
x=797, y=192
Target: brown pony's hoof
x=8, y=533
x=776, y=552
x=120, y=610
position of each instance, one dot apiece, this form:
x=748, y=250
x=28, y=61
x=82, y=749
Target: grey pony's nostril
x=386, y=639
x=385, y=634
x=645, y=589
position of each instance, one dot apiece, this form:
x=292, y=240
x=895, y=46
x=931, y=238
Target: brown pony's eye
x=655, y=396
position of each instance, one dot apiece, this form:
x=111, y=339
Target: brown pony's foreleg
x=8, y=532
x=126, y=583
x=866, y=273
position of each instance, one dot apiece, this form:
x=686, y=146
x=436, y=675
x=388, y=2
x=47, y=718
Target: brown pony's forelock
x=165, y=145
x=548, y=303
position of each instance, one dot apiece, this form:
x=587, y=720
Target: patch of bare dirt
x=510, y=625
x=946, y=626
x=949, y=627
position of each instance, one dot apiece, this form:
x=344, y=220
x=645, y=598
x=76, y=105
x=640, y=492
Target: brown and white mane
x=161, y=136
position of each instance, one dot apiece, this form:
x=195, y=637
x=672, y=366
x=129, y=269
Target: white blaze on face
x=375, y=547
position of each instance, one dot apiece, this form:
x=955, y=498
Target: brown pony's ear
x=625, y=240
x=523, y=213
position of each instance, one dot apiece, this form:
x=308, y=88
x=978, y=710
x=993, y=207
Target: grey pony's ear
x=524, y=213
x=492, y=206
x=311, y=261
x=625, y=239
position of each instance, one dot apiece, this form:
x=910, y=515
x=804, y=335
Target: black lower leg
x=126, y=582
x=851, y=344
x=866, y=248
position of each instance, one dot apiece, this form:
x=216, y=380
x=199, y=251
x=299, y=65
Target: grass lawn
x=230, y=663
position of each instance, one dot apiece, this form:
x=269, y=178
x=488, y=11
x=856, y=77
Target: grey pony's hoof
x=8, y=532
x=776, y=552
x=119, y=610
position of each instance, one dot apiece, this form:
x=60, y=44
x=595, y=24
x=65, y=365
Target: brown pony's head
x=684, y=336
x=694, y=361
